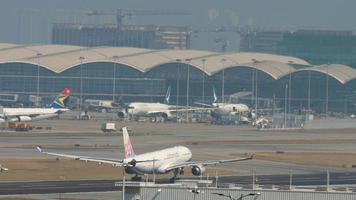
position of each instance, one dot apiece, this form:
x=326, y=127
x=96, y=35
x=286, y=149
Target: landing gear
x=136, y=178
x=176, y=172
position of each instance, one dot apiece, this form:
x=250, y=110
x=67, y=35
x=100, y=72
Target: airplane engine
x=122, y=114
x=24, y=118
x=198, y=170
x=133, y=163
x=166, y=116
x=130, y=170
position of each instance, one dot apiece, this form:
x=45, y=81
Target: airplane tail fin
x=121, y=102
x=215, y=97
x=62, y=99
x=129, y=152
x=168, y=95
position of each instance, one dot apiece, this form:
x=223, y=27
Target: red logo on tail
x=128, y=149
x=67, y=91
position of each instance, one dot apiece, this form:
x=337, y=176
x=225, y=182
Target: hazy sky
x=28, y=20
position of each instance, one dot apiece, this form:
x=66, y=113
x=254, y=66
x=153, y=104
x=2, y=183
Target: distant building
x=264, y=41
x=148, y=36
x=136, y=74
x=315, y=46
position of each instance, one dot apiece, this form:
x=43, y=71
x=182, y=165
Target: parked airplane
x=136, y=110
x=173, y=159
x=31, y=114
x=2, y=169
x=100, y=105
x=226, y=109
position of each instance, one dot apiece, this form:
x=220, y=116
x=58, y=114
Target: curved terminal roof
x=342, y=73
x=59, y=58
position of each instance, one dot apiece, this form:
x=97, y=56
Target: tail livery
x=129, y=152
x=168, y=95
x=215, y=97
x=62, y=99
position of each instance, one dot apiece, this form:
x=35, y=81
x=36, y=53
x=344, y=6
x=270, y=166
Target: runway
x=46, y=187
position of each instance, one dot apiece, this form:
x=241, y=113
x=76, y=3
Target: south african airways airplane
x=31, y=114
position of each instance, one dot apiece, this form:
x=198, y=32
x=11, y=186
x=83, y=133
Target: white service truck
x=108, y=127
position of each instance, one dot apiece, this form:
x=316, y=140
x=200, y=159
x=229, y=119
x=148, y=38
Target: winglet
x=39, y=148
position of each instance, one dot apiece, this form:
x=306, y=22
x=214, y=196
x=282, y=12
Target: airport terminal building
x=137, y=74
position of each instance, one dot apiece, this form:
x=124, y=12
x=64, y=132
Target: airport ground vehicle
x=108, y=127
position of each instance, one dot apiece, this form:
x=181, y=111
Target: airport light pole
x=252, y=85
x=290, y=179
x=253, y=180
x=115, y=58
x=327, y=180
x=195, y=191
x=38, y=78
x=123, y=183
x=290, y=88
x=81, y=84
x=309, y=81
x=203, y=95
x=216, y=179
x=188, y=77
x=256, y=87
x=285, y=105
x=154, y=170
x=177, y=85
x=223, y=81
x=256, y=97
x=290, y=92
x=327, y=93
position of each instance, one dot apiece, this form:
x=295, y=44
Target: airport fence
x=159, y=193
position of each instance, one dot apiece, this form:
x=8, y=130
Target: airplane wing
x=203, y=104
x=155, y=112
x=205, y=163
x=117, y=163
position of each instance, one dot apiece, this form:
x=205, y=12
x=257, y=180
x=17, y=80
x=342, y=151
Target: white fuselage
x=159, y=161
x=144, y=109
x=230, y=109
x=31, y=113
x=99, y=103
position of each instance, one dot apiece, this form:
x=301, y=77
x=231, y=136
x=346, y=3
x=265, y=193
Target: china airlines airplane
x=173, y=159
x=31, y=114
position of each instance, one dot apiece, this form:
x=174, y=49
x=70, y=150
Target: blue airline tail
x=168, y=95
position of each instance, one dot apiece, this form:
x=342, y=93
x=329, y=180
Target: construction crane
x=122, y=13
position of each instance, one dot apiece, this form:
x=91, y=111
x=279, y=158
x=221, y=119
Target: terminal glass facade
x=95, y=81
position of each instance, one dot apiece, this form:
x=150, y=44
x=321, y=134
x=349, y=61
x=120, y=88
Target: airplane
x=100, y=105
x=57, y=107
x=226, y=109
x=145, y=109
x=2, y=169
x=173, y=159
